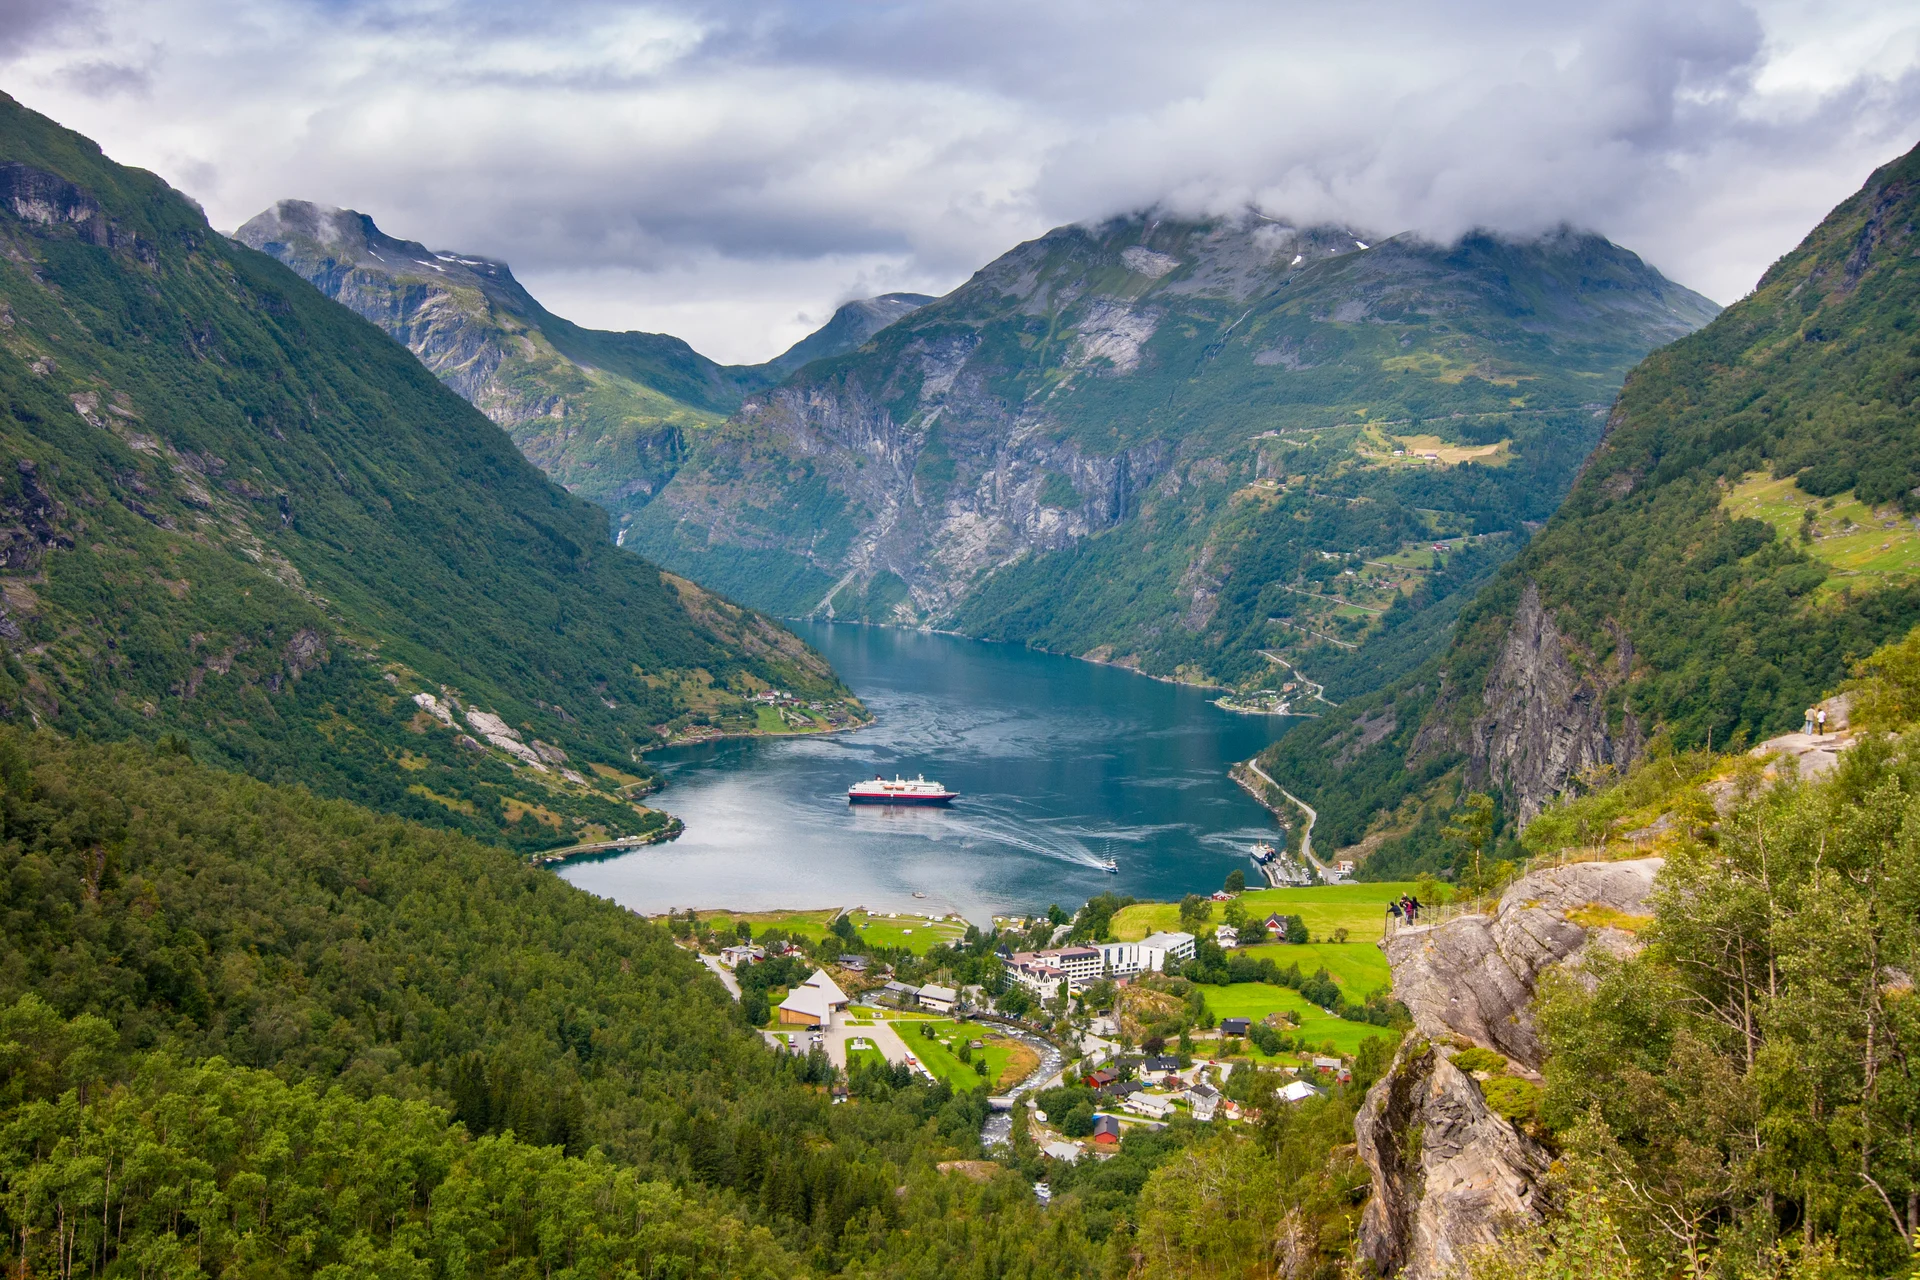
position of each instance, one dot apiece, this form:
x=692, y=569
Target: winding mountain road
x=1327, y=873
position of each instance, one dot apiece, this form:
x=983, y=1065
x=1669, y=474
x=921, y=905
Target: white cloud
x=721, y=169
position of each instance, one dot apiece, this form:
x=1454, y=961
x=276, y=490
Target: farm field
x=1361, y=909
x=1256, y=1000
x=1359, y=967
x=1855, y=540
x=800, y=924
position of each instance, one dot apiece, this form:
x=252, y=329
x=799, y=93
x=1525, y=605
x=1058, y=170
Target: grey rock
x=1449, y=1174
x=1474, y=976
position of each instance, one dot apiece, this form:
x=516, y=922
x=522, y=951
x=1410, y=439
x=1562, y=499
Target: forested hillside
x=243, y=1029
x=609, y=415
x=237, y=513
x=1744, y=532
x=1732, y=1096
x=1173, y=444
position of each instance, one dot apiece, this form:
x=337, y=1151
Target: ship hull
x=944, y=798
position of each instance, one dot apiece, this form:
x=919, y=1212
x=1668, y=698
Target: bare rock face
x=1546, y=718
x=1448, y=1173
x=1474, y=976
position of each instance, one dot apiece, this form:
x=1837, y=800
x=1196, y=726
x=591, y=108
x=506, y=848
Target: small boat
x=1263, y=853
x=918, y=894
x=917, y=790
x=1110, y=866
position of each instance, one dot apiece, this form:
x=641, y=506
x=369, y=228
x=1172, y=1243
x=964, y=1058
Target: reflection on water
x=1059, y=764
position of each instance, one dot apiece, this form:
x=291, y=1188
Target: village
x=1175, y=1016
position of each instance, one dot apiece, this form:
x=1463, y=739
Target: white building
x=1298, y=1091
x=1151, y=1105
x=1042, y=979
x=1227, y=936
x=939, y=999
x=1178, y=945
x=1205, y=1100
x=1082, y=965
x=1124, y=959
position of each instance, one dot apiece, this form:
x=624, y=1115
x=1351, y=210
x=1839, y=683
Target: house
x=901, y=993
x=1327, y=1064
x=1221, y=895
x=853, y=964
x=1234, y=1026
x=1121, y=1088
x=1106, y=1130
x=1160, y=1064
x=814, y=1002
x=1298, y=1091
x=1103, y=1077
x=1204, y=1099
x=1177, y=945
x=939, y=999
x=1227, y=936
x=1062, y=1151
x=1277, y=926
x=1345, y=866
x=1153, y=1106
x=734, y=957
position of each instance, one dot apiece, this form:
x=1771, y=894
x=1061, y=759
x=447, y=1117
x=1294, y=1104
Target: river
x=1059, y=764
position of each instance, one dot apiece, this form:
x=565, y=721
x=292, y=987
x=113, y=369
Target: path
x=884, y=1038
x=1327, y=873
x=720, y=971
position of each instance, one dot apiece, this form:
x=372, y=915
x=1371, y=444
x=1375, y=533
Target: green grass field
x=915, y=933
x=800, y=924
x=943, y=1060
x=1256, y=1000
x=1855, y=539
x=1361, y=909
x=1359, y=967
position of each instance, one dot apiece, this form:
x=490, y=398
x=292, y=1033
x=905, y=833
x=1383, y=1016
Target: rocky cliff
x=1166, y=443
x=1449, y=1170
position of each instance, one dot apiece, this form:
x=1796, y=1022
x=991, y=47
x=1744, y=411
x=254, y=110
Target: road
x=720, y=971
x=1327, y=873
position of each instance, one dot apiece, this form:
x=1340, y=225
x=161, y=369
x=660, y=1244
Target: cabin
x=939, y=999
x=853, y=964
x=1103, y=1077
x=1106, y=1130
x=814, y=1002
x=1235, y=1026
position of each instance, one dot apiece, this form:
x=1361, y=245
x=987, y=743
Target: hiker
x=1808, y=726
x=1823, y=720
x=1406, y=908
x=1393, y=915
x=1413, y=907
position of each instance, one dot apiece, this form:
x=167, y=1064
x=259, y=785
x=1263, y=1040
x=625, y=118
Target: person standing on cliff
x=1808, y=726
x=1393, y=914
x=1413, y=908
x=1823, y=719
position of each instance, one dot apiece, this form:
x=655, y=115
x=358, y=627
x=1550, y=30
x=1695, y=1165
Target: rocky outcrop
x=1545, y=716
x=1473, y=976
x=1448, y=1173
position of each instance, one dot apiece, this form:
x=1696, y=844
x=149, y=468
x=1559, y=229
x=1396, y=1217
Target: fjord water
x=1059, y=764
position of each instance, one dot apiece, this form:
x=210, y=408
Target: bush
x=1078, y=1122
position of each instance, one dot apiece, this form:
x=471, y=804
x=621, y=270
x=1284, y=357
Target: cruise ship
x=918, y=790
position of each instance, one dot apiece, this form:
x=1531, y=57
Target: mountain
x=1748, y=528
x=852, y=325
x=1144, y=441
x=235, y=514
x=608, y=415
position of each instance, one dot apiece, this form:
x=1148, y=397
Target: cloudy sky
x=728, y=171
